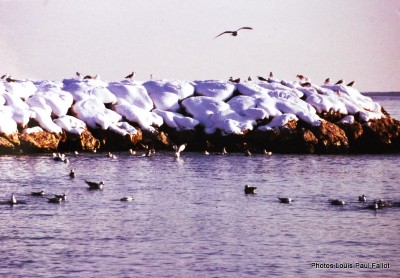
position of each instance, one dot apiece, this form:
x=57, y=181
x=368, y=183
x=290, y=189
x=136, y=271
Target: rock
x=331, y=138
x=39, y=142
x=9, y=143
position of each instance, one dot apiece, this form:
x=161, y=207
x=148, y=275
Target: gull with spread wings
x=234, y=33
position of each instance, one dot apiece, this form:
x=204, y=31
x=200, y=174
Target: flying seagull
x=234, y=33
x=130, y=76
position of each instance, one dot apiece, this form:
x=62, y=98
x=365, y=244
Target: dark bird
x=306, y=84
x=126, y=199
x=72, y=174
x=237, y=80
x=262, y=78
x=95, y=185
x=247, y=152
x=234, y=33
x=54, y=200
x=249, y=189
x=362, y=198
x=249, y=78
x=327, y=81
x=301, y=77
x=271, y=74
x=63, y=196
x=341, y=81
x=131, y=76
x=351, y=83
x=285, y=200
x=78, y=74
x=88, y=77
x=338, y=202
x=39, y=193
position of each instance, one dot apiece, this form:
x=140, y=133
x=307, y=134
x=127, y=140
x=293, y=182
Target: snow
x=93, y=112
x=71, y=124
x=221, y=90
x=75, y=104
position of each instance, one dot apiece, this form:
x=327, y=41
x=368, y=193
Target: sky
x=342, y=39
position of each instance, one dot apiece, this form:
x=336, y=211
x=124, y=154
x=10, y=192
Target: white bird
x=179, y=149
x=234, y=33
x=13, y=200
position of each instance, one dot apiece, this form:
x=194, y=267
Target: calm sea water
x=191, y=218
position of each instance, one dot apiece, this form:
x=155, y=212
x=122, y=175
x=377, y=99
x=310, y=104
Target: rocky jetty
x=265, y=116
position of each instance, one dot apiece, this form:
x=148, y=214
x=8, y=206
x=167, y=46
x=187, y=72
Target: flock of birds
x=59, y=198
x=377, y=204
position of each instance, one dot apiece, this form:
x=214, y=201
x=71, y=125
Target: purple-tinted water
x=191, y=218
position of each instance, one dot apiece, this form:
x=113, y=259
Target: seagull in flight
x=234, y=33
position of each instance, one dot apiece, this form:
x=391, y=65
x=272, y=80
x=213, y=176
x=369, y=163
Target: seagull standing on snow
x=234, y=33
x=131, y=76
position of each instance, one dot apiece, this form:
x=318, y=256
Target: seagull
x=63, y=196
x=271, y=74
x=126, y=199
x=54, y=200
x=285, y=200
x=39, y=193
x=179, y=149
x=234, y=80
x=131, y=76
x=327, y=81
x=362, y=198
x=262, y=78
x=132, y=151
x=249, y=78
x=13, y=200
x=249, y=189
x=95, y=185
x=267, y=152
x=72, y=174
x=338, y=202
x=79, y=75
x=301, y=77
x=351, y=83
x=341, y=81
x=247, y=152
x=234, y=33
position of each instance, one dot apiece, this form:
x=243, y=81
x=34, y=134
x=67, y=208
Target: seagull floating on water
x=63, y=196
x=72, y=174
x=234, y=33
x=13, y=200
x=249, y=189
x=54, y=200
x=338, y=202
x=95, y=185
x=285, y=200
x=126, y=199
x=38, y=193
x=362, y=198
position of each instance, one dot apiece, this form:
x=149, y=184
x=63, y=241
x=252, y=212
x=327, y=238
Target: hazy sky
x=174, y=39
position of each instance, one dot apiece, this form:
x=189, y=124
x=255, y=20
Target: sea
x=190, y=216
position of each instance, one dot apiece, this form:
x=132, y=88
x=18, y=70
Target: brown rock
x=331, y=138
x=39, y=142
